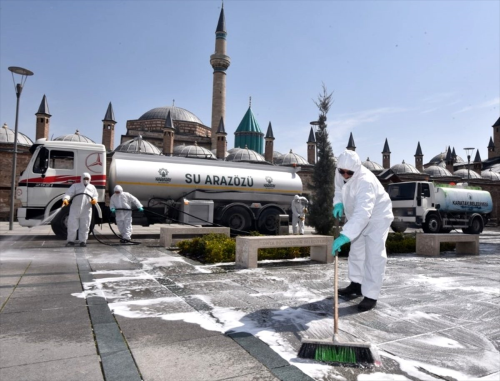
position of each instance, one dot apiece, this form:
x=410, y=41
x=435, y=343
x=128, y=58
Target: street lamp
x=468, y=150
x=24, y=73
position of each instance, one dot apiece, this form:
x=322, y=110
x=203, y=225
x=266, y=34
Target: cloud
x=347, y=122
x=438, y=98
x=487, y=104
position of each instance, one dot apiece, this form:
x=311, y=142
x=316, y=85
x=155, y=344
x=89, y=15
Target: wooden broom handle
x=336, y=284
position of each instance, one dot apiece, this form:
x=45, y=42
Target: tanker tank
x=464, y=200
x=147, y=176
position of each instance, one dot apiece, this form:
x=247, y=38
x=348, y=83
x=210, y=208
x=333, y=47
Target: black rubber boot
x=69, y=244
x=367, y=304
x=353, y=289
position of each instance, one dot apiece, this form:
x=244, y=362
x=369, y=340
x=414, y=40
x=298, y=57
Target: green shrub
x=400, y=243
x=217, y=248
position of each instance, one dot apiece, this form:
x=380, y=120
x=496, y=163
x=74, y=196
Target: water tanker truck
x=242, y=196
x=439, y=208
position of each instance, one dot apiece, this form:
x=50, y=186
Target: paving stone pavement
x=137, y=312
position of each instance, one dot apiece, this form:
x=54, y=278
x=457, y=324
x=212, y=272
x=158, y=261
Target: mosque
x=175, y=131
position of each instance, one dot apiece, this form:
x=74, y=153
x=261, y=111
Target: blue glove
x=338, y=210
x=113, y=210
x=337, y=244
x=141, y=209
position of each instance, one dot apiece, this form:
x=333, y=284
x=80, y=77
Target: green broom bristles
x=337, y=354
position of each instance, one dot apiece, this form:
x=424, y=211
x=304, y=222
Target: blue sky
x=407, y=71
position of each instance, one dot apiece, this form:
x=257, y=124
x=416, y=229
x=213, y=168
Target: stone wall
x=23, y=158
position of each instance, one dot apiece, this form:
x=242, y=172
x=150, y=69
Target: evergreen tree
x=320, y=211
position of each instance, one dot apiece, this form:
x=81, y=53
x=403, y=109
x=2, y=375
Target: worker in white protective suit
x=368, y=210
x=121, y=203
x=83, y=195
x=299, y=210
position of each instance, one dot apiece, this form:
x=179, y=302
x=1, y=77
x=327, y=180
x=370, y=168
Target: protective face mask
x=85, y=182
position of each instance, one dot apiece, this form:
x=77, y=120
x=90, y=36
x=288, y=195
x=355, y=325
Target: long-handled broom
x=333, y=351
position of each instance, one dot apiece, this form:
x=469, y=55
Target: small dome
x=465, y=174
x=138, y=145
x=404, y=168
x=276, y=154
x=244, y=154
x=291, y=159
x=372, y=166
x=214, y=151
x=490, y=175
x=193, y=151
x=437, y=171
x=76, y=137
x=441, y=158
x=176, y=113
x=8, y=136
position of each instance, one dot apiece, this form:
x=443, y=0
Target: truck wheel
x=267, y=221
x=59, y=224
x=237, y=218
x=398, y=227
x=476, y=227
x=432, y=224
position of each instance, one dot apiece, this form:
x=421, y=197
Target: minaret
x=220, y=62
x=168, y=136
x=453, y=155
x=221, y=141
x=43, y=120
x=108, y=129
x=269, y=149
x=350, y=145
x=491, y=149
x=386, y=156
x=311, y=148
x=496, y=138
x=449, y=160
x=477, y=163
x=419, y=159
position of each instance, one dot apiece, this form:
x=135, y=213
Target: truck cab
x=439, y=208
x=53, y=168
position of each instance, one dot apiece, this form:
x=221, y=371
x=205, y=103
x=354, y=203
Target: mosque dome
x=76, y=137
x=464, y=174
x=291, y=159
x=193, y=151
x=437, y=171
x=372, y=166
x=176, y=113
x=490, y=175
x=404, y=168
x=233, y=150
x=8, y=136
x=245, y=154
x=277, y=154
x=214, y=151
x=441, y=158
x=138, y=145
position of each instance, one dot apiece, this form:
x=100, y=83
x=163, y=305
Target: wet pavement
x=132, y=312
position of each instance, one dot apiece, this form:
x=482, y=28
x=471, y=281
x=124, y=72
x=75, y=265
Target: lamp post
x=468, y=150
x=24, y=73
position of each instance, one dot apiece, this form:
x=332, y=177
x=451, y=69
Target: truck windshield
x=402, y=191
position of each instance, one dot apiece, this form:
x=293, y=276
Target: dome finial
x=250, y=102
x=77, y=132
x=5, y=126
x=173, y=102
x=291, y=150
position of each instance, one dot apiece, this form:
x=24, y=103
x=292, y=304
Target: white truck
x=439, y=208
x=242, y=196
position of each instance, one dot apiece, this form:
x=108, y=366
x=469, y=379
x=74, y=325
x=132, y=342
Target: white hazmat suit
x=124, y=200
x=368, y=210
x=298, y=213
x=80, y=211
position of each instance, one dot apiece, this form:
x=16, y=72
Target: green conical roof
x=248, y=134
x=249, y=123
